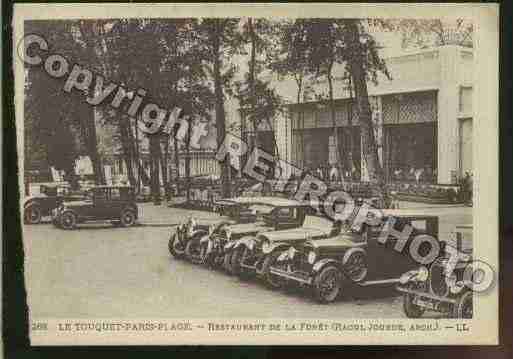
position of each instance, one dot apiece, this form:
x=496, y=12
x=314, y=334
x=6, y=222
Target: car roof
x=271, y=201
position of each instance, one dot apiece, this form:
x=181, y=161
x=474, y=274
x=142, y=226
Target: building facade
x=422, y=121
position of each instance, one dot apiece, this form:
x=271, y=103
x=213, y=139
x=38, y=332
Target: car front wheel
x=207, y=259
x=411, y=309
x=327, y=284
x=192, y=251
x=176, y=248
x=68, y=220
x=272, y=280
x=32, y=215
x=127, y=218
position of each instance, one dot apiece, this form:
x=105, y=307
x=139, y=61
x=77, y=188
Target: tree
x=363, y=63
x=222, y=39
x=422, y=33
x=54, y=120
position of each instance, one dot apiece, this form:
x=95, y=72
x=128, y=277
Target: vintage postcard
x=259, y=174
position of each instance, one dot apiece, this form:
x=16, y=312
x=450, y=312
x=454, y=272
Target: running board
x=378, y=282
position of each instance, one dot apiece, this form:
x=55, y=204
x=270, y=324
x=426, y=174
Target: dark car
x=429, y=288
x=256, y=254
x=230, y=211
x=102, y=203
x=50, y=197
x=269, y=214
x=353, y=257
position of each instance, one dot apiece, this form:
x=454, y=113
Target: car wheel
x=127, y=218
x=355, y=266
x=236, y=259
x=192, y=251
x=206, y=258
x=271, y=280
x=327, y=284
x=68, y=220
x=32, y=215
x=464, y=307
x=176, y=249
x=411, y=309
x=227, y=262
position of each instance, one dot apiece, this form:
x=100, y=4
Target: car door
x=101, y=203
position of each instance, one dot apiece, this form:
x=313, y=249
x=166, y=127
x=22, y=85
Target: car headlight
x=408, y=276
x=455, y=285
x=422, y=274
x=311, y=257
x=266, y=246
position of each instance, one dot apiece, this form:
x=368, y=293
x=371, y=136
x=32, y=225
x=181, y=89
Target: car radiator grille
x=437, y=279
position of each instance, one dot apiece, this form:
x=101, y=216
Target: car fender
x=275, y=246
x=247, y=241
x=69, y=210
x=230, y=245
x=199, y=233
x=133, y=208
x=350, y=252
x=320, y=264
x=204, y=239
x=31, y=202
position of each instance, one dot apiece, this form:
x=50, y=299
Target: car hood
x=206, y=222
x=296, y=234
x=242, y=228
x=337, y=242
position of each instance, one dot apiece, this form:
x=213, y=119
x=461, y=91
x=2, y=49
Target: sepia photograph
x=193, y=178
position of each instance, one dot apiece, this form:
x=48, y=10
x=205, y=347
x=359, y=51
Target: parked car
x=351, y=257
x=256, y=255
x=429, y=288
x=230, y=211
x=50, y=197
x=102, y=203
x=268, y=214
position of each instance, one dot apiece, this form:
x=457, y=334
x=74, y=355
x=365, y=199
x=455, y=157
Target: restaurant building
x=422, y=120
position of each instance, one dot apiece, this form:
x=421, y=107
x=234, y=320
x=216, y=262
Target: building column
x=447, y=116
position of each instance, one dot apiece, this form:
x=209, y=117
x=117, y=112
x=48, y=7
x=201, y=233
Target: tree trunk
x=164, y=165
x=252, y=98
x=350, y=157
x=92, y=146
x=124, y=131
x=155, y=155
x=369, y=147
x=219, y=106
x=338, y=151
x=188, y=162
x=177, y=166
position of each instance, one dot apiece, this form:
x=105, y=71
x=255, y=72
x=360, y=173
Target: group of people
x=332, y=173
x=412, y=174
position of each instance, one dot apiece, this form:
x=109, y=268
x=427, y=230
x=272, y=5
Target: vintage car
x=102, y=203
x=256, y=254
x=351, y=257
x=50, y=197
x=270, y=214
x=429, y=288
x=230, y=211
